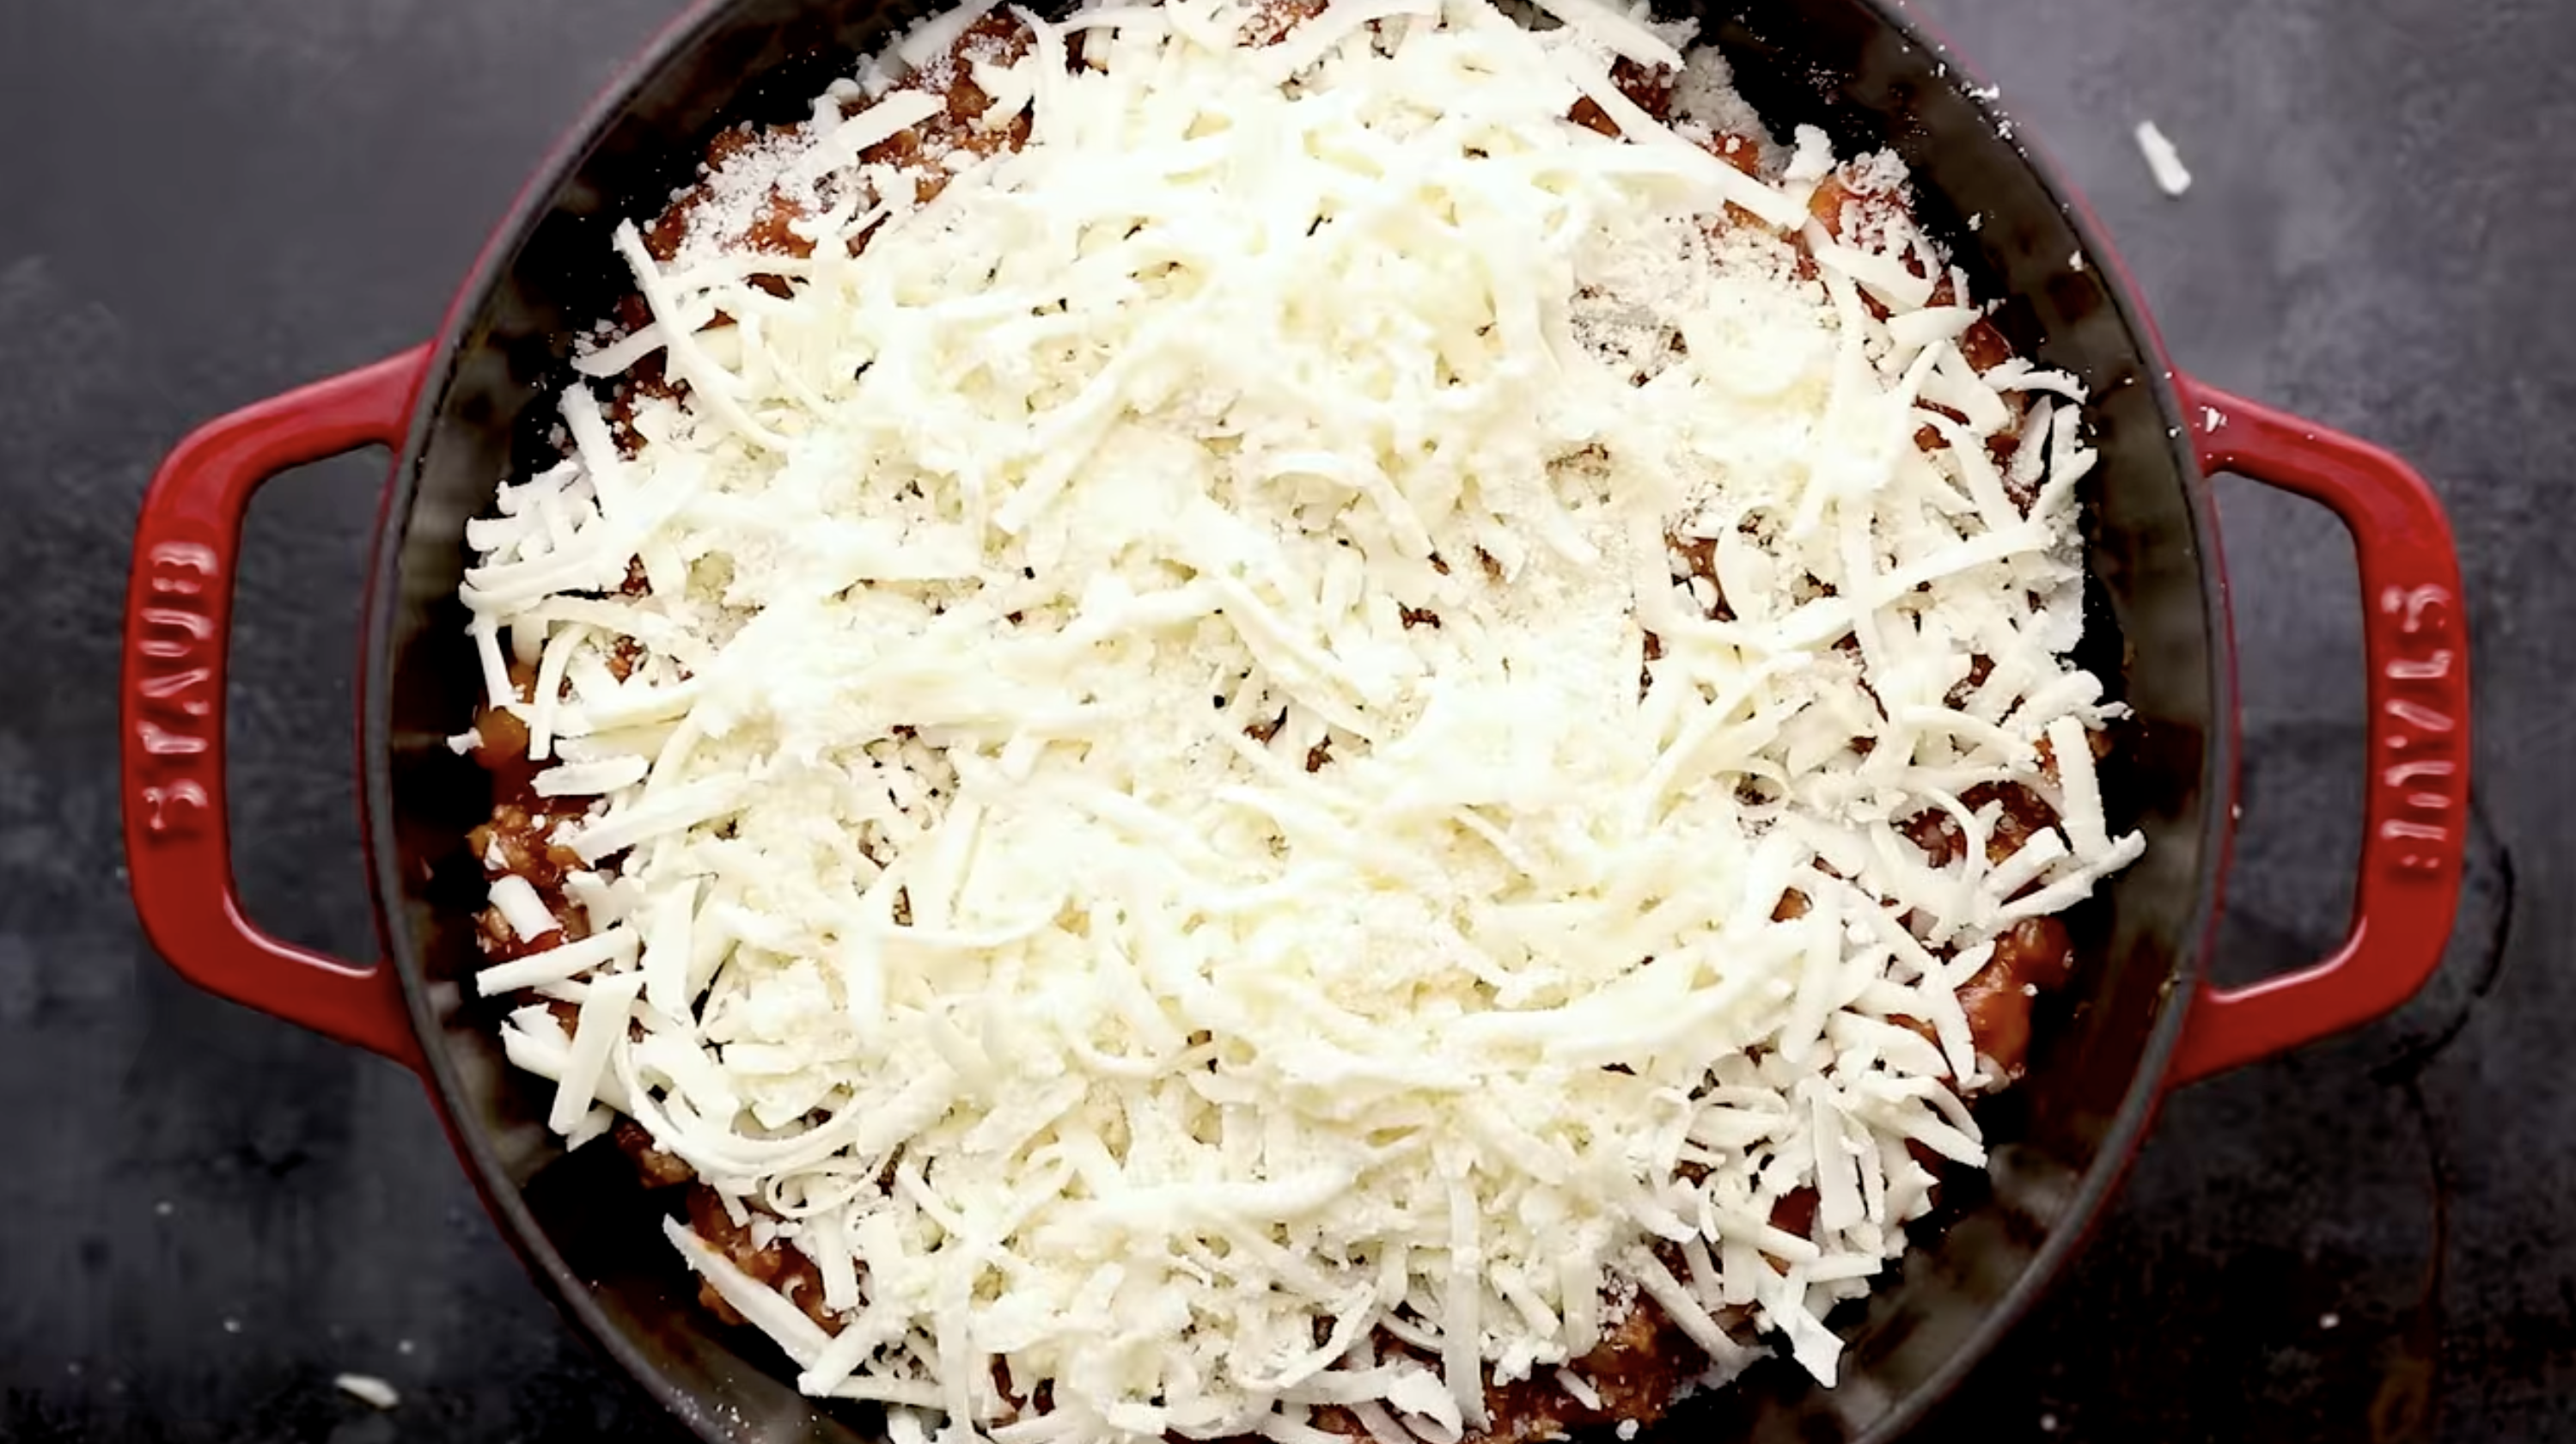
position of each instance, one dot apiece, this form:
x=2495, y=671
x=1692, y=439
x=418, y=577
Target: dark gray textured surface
x=205, y=201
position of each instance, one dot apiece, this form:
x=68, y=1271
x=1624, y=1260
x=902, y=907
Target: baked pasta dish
x=1311, y=719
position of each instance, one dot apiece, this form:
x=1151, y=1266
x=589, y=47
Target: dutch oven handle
x=2415, y=634
x=177, y=635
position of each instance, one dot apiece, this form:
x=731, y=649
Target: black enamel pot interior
x=1864, y=74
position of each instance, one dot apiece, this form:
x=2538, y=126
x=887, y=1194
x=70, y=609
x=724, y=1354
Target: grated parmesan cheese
x=1146, y=840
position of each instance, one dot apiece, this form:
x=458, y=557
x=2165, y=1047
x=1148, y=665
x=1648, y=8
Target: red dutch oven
x=473, y=406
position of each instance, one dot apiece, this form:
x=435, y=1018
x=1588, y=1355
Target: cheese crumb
x=368, y=1389
x=2163, y=159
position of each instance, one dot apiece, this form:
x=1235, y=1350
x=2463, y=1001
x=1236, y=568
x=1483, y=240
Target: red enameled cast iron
x=465, y=410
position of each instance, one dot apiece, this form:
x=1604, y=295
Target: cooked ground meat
x=1277, y=17
x=1649, y=88
x=1694, y=564
x=665, y=233
x=1640, y=1364
x=2024, y=814
x=996, y=39
x=656, y=1168
x=2036, y=956
x=773, y=1263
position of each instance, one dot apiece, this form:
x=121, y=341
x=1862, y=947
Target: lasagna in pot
x=1304, y=720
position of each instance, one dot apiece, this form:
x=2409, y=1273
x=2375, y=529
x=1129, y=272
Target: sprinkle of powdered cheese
x=1065, y=881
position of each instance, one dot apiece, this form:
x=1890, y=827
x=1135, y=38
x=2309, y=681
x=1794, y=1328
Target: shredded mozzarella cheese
x=1149, y=845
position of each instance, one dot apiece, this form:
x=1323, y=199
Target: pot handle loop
x=2415, y=635
x=178, y=614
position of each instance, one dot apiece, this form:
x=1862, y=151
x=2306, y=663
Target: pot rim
x=2121, y=1139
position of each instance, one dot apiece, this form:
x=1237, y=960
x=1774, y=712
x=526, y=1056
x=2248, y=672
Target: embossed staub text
x=2419, y=765
x=174, y=710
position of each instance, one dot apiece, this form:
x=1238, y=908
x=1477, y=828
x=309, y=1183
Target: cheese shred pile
x=1153, y=799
